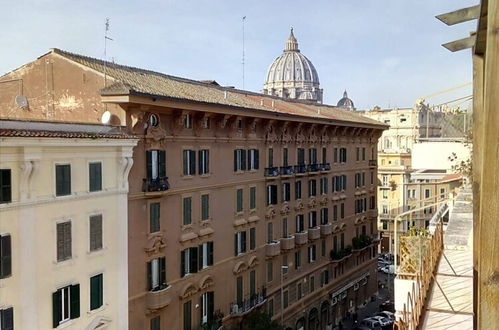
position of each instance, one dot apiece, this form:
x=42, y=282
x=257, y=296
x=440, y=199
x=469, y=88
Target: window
x=301, y=156
x=155, y=323
x=285, y=161
x=299, y=292
x=385, y=224
x=154, y=224
x=205, y=255
x=335, y=212
x=204, y=161
x=335, y=155
x=323, y=247
x=187, y=315
x=342, y=210
x=252, y=198
x=372, y=202
x=270, y=271
x=312, y=219
x=284, y=269
x=312, y=156
x=187, y=210
x=299, y=223
x=311, y=282
x=156, y=164
x=323, y=183
x=342, y=241
x=343, y=155
x=286, y=192
x=253, y=159
x=324, y=277
x=7, y=318
x=297, y=259
x=357, y=154
x=297, y=189
x=442, y=192
x=5, y=256
x=63, y=180
x=252, y=243
x=239, y=200
x=239, y=125
x=207, y=306
x=372, y=177
x=270, y=306
x=385, y=209
x=343, y=182
x=270, y=160
x=189, y=261
x=335, y=243
x=270, y=232
x=311, y=253
x=240, y=243
x=206, y=122
x=363, y=179
x=324, y=155
x=239, y=160
x=189, y=163
x=95, y=225
x=384, y=180
x=187, y=120
x=156, y=274
x=426, y=193
x=5, y=186
x=312, y=188
x=252, y=277
x=239, y=290
x=205, y=207
x=285, y=227
x=64, y=241
x=385, y=194
x=96, y=291
x=271, y=194
x=324, y=216
x=66, y=304
x=363, y=153
x=95, y=176
x=285, y=299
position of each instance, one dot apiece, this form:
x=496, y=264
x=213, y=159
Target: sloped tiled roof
x=30, y=128
x=128, y=80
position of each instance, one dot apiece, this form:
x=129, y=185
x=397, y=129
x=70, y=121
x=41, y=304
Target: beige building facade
x=227, y=187
x=63, y=226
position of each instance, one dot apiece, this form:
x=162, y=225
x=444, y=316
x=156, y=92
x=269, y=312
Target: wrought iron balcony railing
x=300, y=169
x=287, y=170
x=313, y=168
x=158, y=184
x=272, y=171
x=373, y=162
x=325, y=167
x=248, y=304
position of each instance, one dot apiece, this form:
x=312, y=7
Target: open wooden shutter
x=192, y=162
x=243, y=241
x=243, y=159
x=56, y=308
x=75, y=301
x=201, y=256
x=182, y=263
x=210, y=253
x=211, y=305
x=161, y=163
x=5, y=256
x=257, y=159
x=149, y=163
x=149, y=276
x=184, y=161
x=162, y=272
x=235, y=160
x=96, y=291
x=194, y=259
x=235, y=244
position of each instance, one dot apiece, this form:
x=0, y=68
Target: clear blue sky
x=385, y=53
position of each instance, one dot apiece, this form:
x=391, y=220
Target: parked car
x=387, y=306
x=383, y=321
x=371, y=323
x=387, y=314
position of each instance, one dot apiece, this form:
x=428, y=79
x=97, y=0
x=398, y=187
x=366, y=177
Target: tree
x=260, y=321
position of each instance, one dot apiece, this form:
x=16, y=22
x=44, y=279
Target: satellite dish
x=22, y=101
x=106, y=116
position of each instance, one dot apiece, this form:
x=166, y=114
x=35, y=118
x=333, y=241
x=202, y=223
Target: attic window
x=239, y=124
x=154, y=120
x=403, y=120
x=387, y=121
x=206, y=122
x=187, y=120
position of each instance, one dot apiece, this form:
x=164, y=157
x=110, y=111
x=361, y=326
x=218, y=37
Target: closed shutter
x=252, y=283
x=192, y=162
x=162, y=272
x=211, y=305
x=161, y=163
x=185, y=158
x=252, y=238
x=75, y=301
x=235, y=160
x=149, y=163
x=274, y=194
x=7, y=319
x=154, y=211
x=187, y=316
x=63, y=180
x=235, y=244
x=239, y=290
x=187, y=210
x=205, y=204
x=95, y=232
x=149, y=276
x=63, y=241
x=201, y=256
x=95, y=176
x=96, y=291
x=5, y=256
x=243, y=241
x=210, y=253
x=201, y=162
x=252, y=198
x=257, y=159
x=56, y=308
x=239, y=201
x=243, y=159
x=5, y=186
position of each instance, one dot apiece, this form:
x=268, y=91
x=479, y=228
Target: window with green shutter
x=252, y=283
x=7, y=318
x=205, y=207
x=155, y=323
x=96, y=291
x=187, y=315
x=95, y=232
x=154, y=224
x=252, y=198
x=5, y=186
x=189, y=162
x=187, y=202
x=95, y=176
x=239, y=290
x=252, y=244
x=239, y=200
x=65, y=304
x=63, y=180
x=64, y=241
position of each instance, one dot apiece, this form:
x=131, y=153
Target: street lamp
x=283, y=268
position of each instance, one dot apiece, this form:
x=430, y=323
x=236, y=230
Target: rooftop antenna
x=244, y=19
x=106, y=38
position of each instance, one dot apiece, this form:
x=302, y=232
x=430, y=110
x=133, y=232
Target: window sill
x=99, y=252
x=97, y=310
x=65, y=324
x=239, y=172
x=187, y=177
x=205, y=175
x=67, y=262
x=205, y=222
x=187, y=227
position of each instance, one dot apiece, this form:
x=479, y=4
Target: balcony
x=325, y=167
x=312, y=168
x=314, y=233
x=158, y=184
x=158, y=299
x=288, y=243
x=249, y=304
x=273, y=249
x=300, y=169
x=342, y=254
x=286, y=170
x=373, y=162
x=271, y=171
x=301, y=238
x=326, y=229
x=361, y=242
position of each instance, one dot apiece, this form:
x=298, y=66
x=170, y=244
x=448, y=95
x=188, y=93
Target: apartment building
x=234, y=196
x=63, y=230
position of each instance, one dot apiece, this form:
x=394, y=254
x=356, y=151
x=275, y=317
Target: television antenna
x=244, y=19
